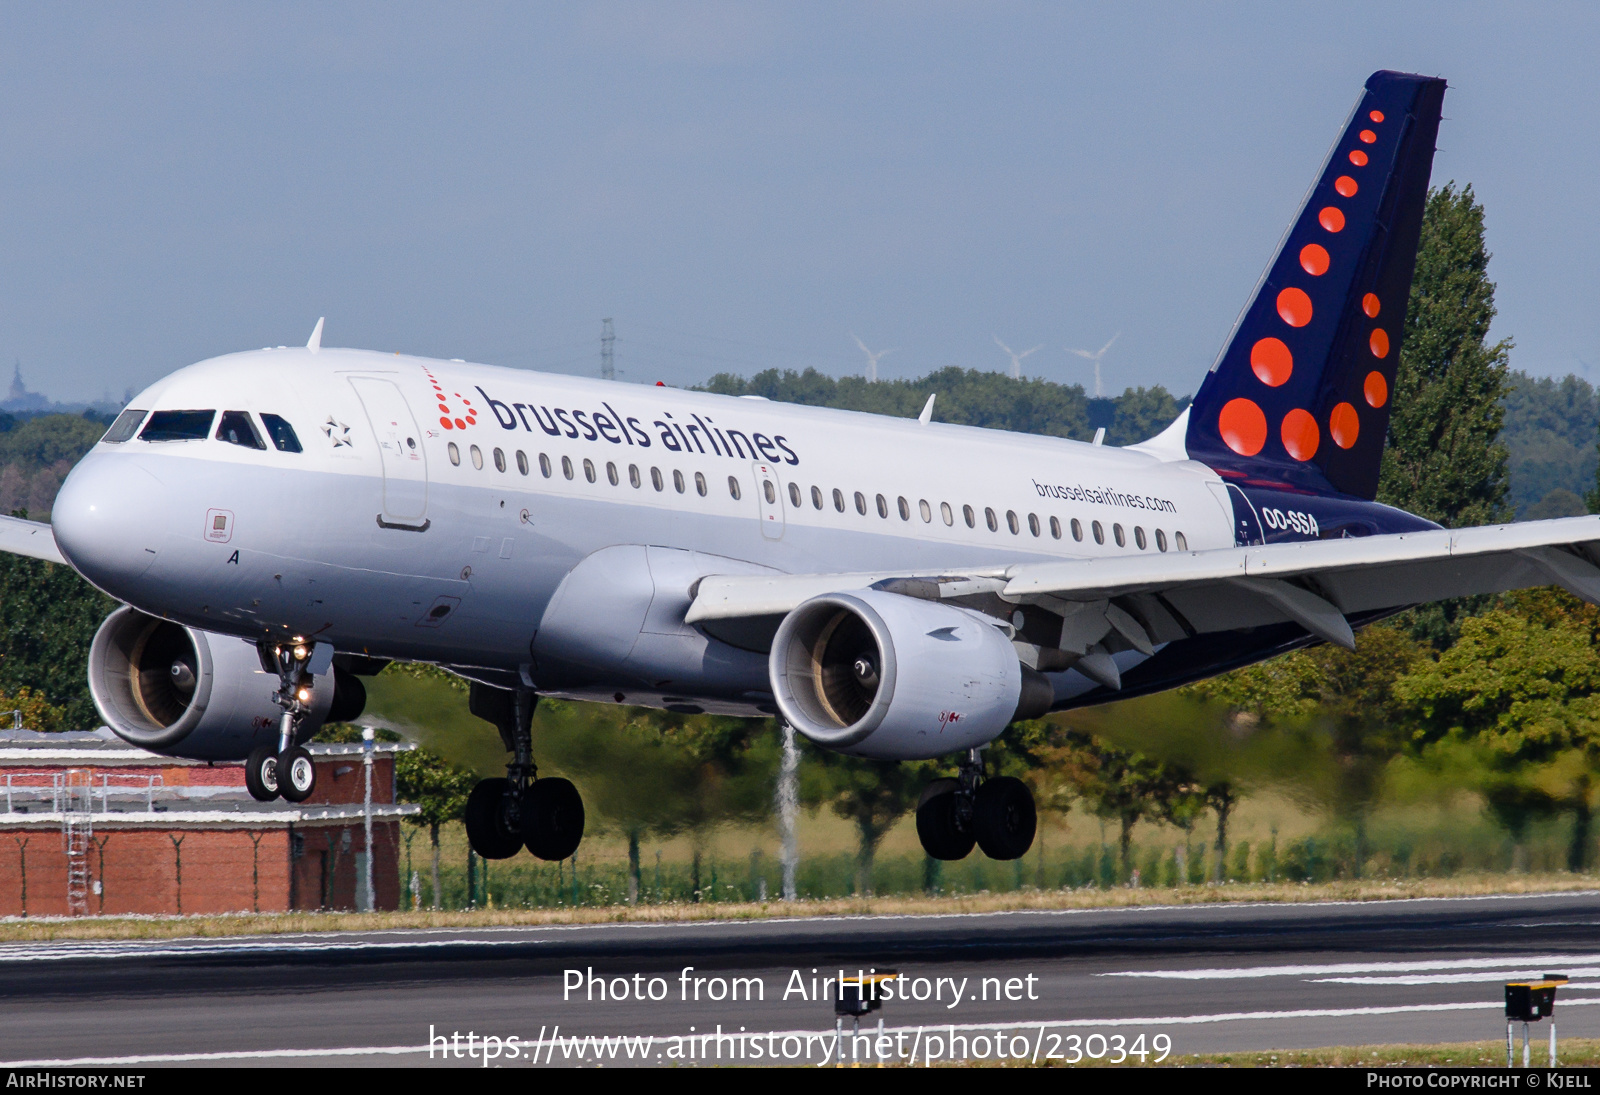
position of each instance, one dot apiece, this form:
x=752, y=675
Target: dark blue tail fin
x=1300, y=396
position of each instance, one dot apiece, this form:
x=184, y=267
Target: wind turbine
x=872, y=358
x=1016, y=358
x=1099, y=389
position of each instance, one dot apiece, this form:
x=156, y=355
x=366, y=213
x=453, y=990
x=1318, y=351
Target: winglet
x=927, y=410
x=314, y=343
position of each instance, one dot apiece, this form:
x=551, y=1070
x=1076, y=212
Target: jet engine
x=883, y=675
x=196, y=694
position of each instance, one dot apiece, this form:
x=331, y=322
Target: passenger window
x=883, y=507
x=1055, y=528
x=657, y=482
x=499, y=460
x=1012, y=523
x=522, y=462
x=1161, y=540
x=945, y=512
x=588, y=469
x=861, y=503
x=794, y=495
x=992, y=521
x=281, y=432
x=905, y=508
x=733, y=485
x=1033, y=523
x=1138, y=536
x=634, y=478
x=700, y=485
x=1099, y=533
x=677, y=481
x=816, y=497
x=1180, y=542
x=611, y=473
x=770, y=491
x=566, y=467
x=180, y=426
x=1077, y=530
x=1122, y=540
x=126, y=425
x=455, y=455
x=544, y=465
x=925, y=510
x=477, y=457
x=236, y=429
x=972, y=520
x=838, y=499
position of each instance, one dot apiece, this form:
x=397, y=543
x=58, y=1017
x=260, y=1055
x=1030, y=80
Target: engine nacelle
x=882, y=675
x=189, y=693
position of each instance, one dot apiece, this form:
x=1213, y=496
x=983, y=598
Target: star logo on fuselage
x=336, y=431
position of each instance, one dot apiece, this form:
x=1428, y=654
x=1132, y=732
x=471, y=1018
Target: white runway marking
x=931, y=1028
x=1551, y=962
x=1463, y=978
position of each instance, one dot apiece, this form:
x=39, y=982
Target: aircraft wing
x=31, y=538
x=1150, y=598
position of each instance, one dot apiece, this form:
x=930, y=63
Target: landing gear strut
x=503, y=815
x=996, y=814
x=286, y=770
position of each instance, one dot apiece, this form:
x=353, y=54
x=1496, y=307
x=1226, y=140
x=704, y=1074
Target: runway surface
x=1033, y=984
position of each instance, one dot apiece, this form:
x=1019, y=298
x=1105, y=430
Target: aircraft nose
x=109, y=520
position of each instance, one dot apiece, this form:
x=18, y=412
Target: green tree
x=1142, y=413
x=1519, y=693
x=871, y=794
x=1122, y=785
x=440, y=788
x=1551, y=425
x=1349, y=694
x=48, y=617
x=968, y=397
x=50, y=439
x=1444, y=460
x=661, y=772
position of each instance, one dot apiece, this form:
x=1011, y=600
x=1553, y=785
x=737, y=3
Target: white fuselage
x=438, y=507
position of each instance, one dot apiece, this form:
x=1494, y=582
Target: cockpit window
x=126, y=425
x=178, y=426
x=237, y=429
x=282, y=433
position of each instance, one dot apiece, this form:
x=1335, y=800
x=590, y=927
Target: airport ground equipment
x=854, y=997
x=1532, y=1002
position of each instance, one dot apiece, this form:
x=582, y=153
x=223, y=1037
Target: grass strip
x=18, y=929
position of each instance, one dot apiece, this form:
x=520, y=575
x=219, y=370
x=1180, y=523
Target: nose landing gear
x=286, y=770
x=504, y=815
x=998, y=815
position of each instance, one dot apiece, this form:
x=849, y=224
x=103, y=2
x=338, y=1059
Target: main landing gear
x=504, y=815
x=286, y=770
x=996, y=814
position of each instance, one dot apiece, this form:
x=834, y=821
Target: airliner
x=279, y=523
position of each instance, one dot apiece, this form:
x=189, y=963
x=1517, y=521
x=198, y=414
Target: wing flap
x=1314, y=584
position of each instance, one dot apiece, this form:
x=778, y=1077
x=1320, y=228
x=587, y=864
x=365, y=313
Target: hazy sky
x=741, y=185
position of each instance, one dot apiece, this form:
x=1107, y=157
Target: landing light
x=304, y=695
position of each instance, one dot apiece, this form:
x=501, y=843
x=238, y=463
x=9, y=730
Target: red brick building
x=92, y=825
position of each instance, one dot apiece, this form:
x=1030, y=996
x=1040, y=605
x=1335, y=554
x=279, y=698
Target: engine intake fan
x=882, y=675
x=190, y=693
